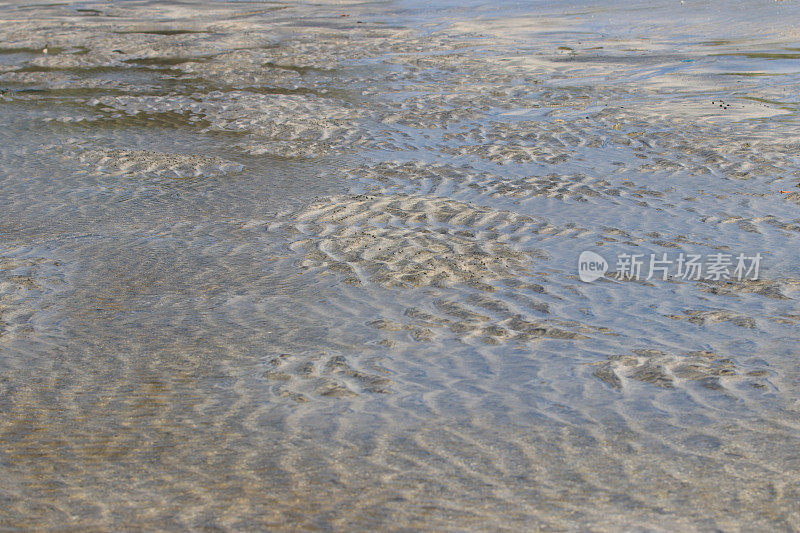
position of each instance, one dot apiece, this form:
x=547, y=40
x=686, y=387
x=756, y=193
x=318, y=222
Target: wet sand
x=314, y=267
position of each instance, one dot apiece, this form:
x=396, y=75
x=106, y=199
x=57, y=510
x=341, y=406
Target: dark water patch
x=297, y=68
x=94, y=69
x=718, y=42
x=161, y=32
x=56, y=94
x=32, y=51
x=90, y=12
x=751, y=74
x=32, y=7
x=761, y=55
x=628, y=59
x=788, y=106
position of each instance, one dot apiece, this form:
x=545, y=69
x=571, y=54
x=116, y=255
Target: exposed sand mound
x=667, y=370
x=412, y=240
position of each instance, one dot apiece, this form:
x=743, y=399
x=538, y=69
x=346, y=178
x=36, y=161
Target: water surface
x=270, y=265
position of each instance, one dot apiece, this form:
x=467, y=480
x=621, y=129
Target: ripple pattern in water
x=295, y=267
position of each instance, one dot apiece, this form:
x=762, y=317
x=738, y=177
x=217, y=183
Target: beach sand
x=284, y=266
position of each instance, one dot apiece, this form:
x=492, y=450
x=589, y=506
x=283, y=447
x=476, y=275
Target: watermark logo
x=712, y=267
x=591, y=266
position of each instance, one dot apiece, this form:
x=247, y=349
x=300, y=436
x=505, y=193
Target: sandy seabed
x=284, y=266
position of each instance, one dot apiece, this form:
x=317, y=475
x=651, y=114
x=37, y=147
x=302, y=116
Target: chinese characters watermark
x=712, y=267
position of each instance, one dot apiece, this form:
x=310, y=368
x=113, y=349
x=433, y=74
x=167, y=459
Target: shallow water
x=266, y=266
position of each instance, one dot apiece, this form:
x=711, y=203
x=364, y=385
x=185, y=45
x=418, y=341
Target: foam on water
x=290, y=266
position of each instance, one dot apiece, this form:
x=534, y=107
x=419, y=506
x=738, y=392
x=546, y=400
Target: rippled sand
x=313, y=267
